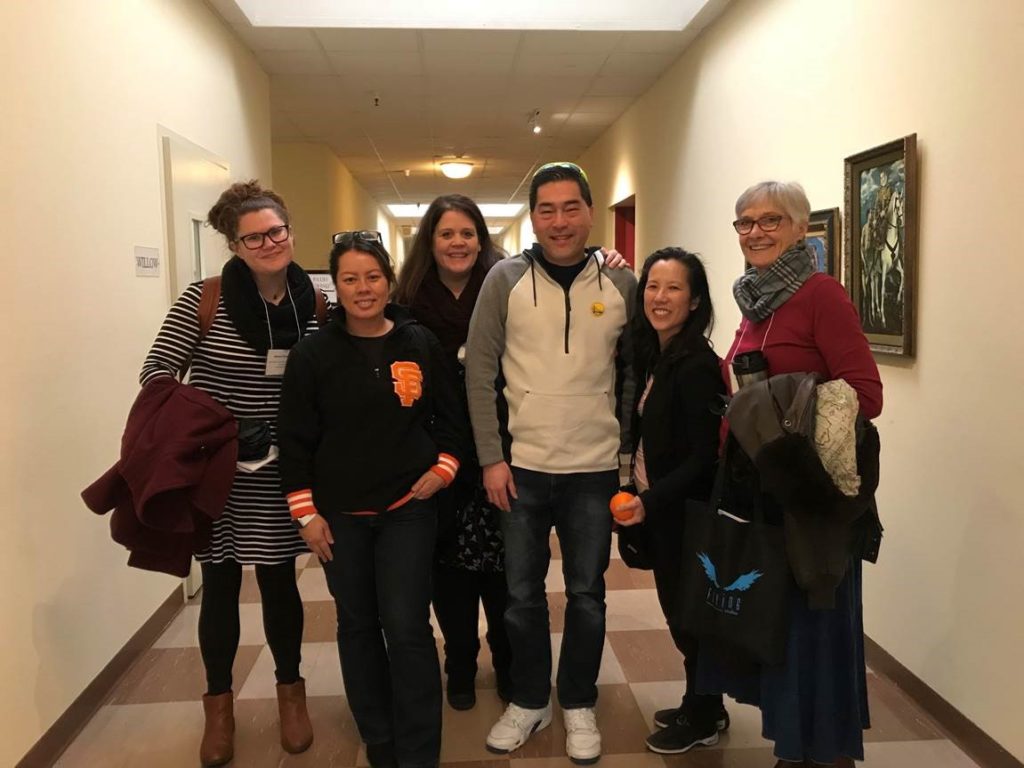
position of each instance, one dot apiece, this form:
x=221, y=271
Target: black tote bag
x=735, y=578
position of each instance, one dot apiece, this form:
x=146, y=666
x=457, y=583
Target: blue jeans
x=577, y=506
x=380, y=579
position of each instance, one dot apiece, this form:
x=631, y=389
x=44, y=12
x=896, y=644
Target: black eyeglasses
x=563, y=164
x=768, y=223
x=357, y=235
x=255, y=240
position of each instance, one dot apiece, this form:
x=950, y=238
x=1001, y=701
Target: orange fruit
x=619, y=500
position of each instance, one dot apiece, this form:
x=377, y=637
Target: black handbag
x=253, y=439
x=472, y=539
x=735, y=580
x=633, y=546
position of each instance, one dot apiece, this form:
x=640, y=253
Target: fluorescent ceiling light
x=456, y=169
x=407, y=210
x=493, y=230
x=637, y=15
x=501, y=210
x=489, y=210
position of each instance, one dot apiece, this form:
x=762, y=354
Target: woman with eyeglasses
x=814, y=705
x=266, y=304
x=371, y=430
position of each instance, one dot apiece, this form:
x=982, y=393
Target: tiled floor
x=154, y=718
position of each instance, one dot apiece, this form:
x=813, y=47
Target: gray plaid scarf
x=761, y=293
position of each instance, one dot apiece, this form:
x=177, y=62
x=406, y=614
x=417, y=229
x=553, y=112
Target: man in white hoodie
x=550, y=385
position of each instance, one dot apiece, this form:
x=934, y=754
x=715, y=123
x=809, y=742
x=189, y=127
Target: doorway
x=625, y=229
x=193, y=180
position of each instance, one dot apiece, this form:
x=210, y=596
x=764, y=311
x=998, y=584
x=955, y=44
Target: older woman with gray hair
x=814, y=705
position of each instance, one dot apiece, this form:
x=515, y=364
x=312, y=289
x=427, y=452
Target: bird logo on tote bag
x=724, y=598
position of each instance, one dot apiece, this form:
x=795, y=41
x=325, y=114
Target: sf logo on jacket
x=408, y=379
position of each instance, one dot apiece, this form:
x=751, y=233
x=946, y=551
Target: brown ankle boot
x=296, y=730
x=218, y=745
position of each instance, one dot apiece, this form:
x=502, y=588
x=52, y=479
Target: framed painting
x=881, y=243
x=823, y=236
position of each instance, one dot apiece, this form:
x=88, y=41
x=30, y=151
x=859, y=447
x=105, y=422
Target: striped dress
x=256, y=526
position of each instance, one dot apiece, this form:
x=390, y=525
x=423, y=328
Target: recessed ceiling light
x=533, y=121
x=456, y=169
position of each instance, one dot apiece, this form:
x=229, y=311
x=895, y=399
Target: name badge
x=276, y=360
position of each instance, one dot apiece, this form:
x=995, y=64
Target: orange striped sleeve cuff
x=300, y=503
x=446, y=467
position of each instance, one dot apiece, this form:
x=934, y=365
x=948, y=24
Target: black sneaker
x=680, y=737
x=665, y=718
x=381, y=755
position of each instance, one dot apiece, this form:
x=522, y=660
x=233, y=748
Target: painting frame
x=824, y=229
x=881, y=260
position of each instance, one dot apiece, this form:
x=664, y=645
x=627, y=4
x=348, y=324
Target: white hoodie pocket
x=568, y=432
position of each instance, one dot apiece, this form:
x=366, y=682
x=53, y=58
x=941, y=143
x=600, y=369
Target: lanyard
x=266, y=312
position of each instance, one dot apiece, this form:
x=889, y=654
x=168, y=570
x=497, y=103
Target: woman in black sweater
x=371, y=428
x=439, y=283
x=675, y=438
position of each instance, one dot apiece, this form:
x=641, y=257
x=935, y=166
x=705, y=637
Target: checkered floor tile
x=154, y=717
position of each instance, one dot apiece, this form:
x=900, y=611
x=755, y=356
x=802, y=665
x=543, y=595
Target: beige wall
x=786, y=89
x=323, y=198
x=91, y=83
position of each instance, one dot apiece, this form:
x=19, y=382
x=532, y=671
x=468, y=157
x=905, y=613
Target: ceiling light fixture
x=456, y=169
x=533, y=121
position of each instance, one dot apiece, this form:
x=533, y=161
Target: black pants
x=665, y=536
x=457, y=597
x=219, y=627
x=380, y=578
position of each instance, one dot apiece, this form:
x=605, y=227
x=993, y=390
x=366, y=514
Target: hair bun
x=240, y=198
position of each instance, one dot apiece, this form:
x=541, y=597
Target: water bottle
x=750, y=368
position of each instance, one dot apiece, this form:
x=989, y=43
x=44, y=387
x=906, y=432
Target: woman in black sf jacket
x=675, y=439
x=371, y=428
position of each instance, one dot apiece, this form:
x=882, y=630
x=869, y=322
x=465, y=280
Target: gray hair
x=788, y=195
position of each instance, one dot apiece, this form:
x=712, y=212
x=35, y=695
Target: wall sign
x=147, y=261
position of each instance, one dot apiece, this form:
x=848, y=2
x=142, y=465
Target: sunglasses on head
x=563, y=164
x=359, y=235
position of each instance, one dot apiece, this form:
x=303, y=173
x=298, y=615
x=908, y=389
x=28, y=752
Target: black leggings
x=219, y=627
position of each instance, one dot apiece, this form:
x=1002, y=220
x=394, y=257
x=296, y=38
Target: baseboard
x=52, y=744
x=981, y=747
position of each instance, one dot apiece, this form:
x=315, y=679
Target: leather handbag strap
x=209, y=298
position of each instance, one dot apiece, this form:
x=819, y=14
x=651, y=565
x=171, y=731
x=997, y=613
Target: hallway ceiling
x=393, y=103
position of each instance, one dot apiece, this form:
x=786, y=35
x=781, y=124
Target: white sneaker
x=515, y=726
x=582, y=739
